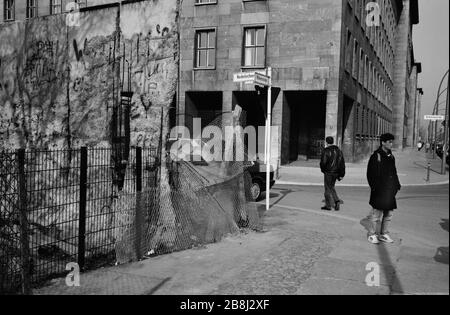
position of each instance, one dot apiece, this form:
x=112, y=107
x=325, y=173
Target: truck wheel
x=255, y=189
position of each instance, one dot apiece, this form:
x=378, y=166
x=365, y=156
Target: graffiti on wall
x=40, y=64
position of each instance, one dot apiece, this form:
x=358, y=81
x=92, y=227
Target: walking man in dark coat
x=384, y=185
x=332, y=164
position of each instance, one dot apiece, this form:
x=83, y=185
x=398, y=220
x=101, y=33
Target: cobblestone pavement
x=283, y=269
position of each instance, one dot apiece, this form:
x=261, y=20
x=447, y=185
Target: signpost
x=263, y=80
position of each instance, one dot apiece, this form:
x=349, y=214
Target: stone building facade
x=336, y=76
x=405, y=75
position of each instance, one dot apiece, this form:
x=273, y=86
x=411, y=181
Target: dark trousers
x=331, y=197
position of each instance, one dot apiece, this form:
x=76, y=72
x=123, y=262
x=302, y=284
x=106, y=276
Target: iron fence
x=58, y=207
x=97, y=206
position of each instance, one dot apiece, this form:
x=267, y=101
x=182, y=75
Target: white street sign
x=261, y=79
x=434, y=117
x=244, y=77
x=250, y=78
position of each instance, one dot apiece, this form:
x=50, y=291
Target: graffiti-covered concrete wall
x=59, y=83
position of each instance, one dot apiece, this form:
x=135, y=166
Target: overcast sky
x=431, y=48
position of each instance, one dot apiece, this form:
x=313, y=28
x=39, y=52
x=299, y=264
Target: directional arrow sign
x=261, y=79
x=434, y=117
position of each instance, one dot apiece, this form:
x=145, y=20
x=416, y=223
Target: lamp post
x=446, y=121
x=436, y=110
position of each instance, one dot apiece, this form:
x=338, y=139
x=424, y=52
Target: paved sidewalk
x=411, y=168
x=300, y=251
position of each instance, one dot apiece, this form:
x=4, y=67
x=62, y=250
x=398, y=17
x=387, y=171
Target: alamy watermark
x=73, y=278
x=216, y=144
x=373, y=17
x=73, y=17
x=373, y=277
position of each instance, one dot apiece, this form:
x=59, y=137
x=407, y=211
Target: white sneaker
x=386, y=238
x=373, y=239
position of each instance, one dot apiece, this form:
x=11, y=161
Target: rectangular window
x=31, y=9
x=205, y=49
x=9, y=10
x=55, y=6
x=366, y=74
x=358, y=120
x=254, y=47
x=355, y=59
x=348, y=53
x=361, y=67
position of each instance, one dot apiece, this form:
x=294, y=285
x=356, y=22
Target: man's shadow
x=442, y=252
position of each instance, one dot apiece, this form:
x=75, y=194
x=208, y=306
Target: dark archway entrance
x=306, y=123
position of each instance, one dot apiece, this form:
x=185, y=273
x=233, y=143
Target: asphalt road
x=422, y=214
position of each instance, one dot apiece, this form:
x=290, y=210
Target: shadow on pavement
x=388, y=266
x=157, y=287
x=442, y=252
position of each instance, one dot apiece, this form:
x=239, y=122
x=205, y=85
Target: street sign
x=252, y=77
x=244, y=77
x=434, y=117
x=261, y=79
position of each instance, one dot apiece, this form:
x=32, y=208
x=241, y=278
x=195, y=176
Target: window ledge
x=204, y=68
x=253, y=67
x=206, y=3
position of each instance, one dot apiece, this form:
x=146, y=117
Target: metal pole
x=269, y=123
x=24, y=226
x=445, y=144
x=428, y=172
x=435, y=112
x=82, y=207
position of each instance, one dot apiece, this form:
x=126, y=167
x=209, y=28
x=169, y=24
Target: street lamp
x=435, y=111
x=446, y=127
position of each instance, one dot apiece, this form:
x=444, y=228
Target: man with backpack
x=384, y=185
x=332, y=165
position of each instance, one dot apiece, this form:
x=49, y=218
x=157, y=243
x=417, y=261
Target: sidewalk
x=300, y=252
x=411, y=168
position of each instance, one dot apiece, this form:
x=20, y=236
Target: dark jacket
x=383, y=180
x=332, y=161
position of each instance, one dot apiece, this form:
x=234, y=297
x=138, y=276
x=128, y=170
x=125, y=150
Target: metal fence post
x=138, y=210
x=24, y=241
x=82, y=208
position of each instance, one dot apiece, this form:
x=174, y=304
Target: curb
x=356, y=185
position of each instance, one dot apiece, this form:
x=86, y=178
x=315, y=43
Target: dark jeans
x=331, y=197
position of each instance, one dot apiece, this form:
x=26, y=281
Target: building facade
x=336, y=73
x=405, y=75
x=19, y=10
x=336, y=70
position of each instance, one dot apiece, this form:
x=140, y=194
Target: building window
x=205, y=49
x=55, y=6
x=9, y=10
x=254, y=47
x=348, y=52
x=205, y=1
x=355, y=60
x=361, y=67
x=366, y=74
x=31, y=9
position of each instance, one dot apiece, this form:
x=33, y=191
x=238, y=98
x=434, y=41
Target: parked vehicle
x=258, y=174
